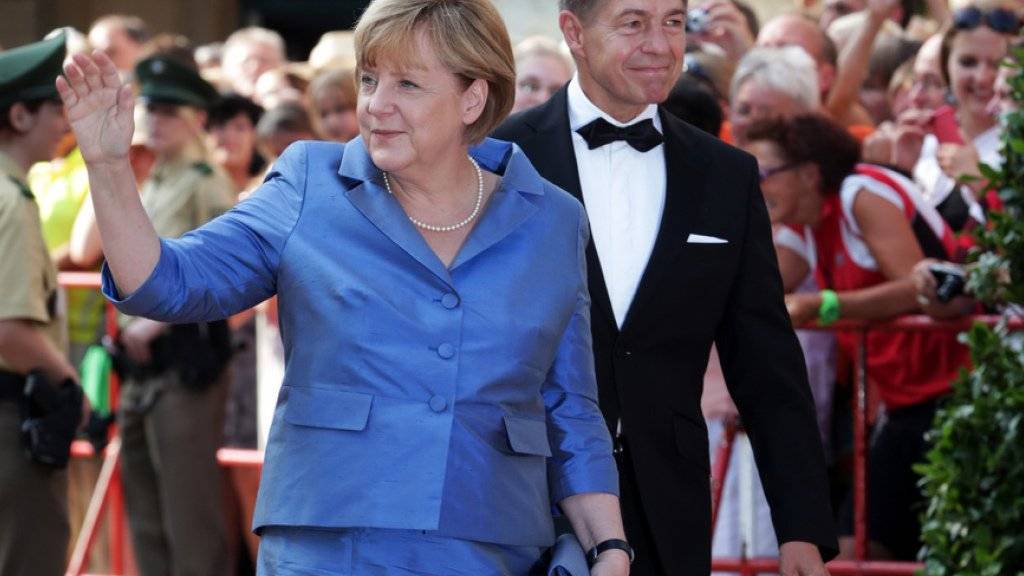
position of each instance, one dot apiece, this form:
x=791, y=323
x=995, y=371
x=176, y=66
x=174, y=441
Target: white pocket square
x=702, y=239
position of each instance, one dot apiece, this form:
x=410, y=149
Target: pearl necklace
x=456, y=226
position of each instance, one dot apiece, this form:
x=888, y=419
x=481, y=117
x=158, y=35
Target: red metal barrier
x=108, y=495
x=861, y=566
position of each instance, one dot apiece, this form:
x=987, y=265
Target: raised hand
x=883, y=9
x=99, y=107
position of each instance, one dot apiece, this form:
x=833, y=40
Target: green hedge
x=973, y=476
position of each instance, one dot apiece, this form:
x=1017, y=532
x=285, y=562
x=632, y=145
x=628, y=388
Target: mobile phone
x=945, y=127
x=951, y=281
x=697, y=20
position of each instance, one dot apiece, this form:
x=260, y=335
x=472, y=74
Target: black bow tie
x=641, y=135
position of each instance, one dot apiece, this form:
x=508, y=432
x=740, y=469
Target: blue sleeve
x=581, y=447
x=228, y=265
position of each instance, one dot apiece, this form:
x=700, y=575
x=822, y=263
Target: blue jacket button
x=438, y=403
x=446, y=350
x=450, y=301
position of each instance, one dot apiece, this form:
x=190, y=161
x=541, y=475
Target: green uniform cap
x=28, y=73
x=164, y=79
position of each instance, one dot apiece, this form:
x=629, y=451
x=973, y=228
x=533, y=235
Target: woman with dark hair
x=869, y=226
x=231, y=136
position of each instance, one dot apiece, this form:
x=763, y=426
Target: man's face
x=794, y=30
x=116, y=43
x=629, y=52
x=246, y=62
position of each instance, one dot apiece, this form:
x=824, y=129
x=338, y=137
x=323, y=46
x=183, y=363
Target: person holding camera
x=871, y=226
x=175, y=380
x=41, y=404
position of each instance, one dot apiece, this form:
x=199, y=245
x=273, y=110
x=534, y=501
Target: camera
x=697, y=20
x=951, y=281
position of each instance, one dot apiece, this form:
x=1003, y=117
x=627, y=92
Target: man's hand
x=726, y=27
x=800, y=559
x=611, y=563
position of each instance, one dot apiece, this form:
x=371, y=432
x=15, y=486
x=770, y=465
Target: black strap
x=12, y=386
x=642, y=135
x=610, y=544
x=25, y=190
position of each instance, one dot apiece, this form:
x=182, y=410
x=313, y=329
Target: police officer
x=33, y=495
x=175, y=384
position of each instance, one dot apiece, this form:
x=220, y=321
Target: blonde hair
x=335, y=49
x=341, y=79
x=470, y=39
x=534, y=46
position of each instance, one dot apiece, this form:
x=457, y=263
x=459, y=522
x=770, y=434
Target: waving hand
x=99, y=107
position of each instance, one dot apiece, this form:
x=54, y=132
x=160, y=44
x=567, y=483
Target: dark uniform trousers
x=173, y=485
x=34, y=524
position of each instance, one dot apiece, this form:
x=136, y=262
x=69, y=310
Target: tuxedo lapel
x=551, y=152
x=686, y=169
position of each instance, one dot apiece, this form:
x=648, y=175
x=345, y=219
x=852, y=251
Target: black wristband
x=611, y=544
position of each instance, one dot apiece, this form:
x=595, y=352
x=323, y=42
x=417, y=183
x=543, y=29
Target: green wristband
x=828, y=312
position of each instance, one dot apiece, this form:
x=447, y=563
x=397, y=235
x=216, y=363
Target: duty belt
x=12, y=386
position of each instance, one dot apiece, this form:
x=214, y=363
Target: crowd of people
x=868, y=121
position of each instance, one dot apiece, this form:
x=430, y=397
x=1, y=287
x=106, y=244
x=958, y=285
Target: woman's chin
x=388, y=160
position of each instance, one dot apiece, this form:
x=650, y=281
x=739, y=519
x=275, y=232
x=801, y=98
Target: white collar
x=582, y=111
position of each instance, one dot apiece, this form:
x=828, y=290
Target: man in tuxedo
x=681, y=257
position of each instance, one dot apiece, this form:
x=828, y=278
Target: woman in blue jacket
x=439, y=395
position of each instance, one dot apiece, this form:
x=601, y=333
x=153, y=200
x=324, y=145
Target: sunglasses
x=766, y=173
x=1001, y=20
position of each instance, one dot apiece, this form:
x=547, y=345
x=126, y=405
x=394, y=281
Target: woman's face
x=538, y=77
x=791, y=197
x=46, y=131
x=974, y=59
x=410, y=116
x=167, y=129
x=233, y=142
x=927, y=86
x=337, y=117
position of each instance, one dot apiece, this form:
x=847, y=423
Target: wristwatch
x=610, y=544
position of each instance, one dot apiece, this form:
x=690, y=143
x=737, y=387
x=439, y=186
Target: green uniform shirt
x=28, y=278
x=61, y=187
x=185, y=193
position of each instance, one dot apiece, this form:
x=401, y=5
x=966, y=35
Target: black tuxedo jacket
x=650, y=373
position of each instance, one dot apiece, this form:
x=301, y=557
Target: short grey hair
x=255, y=35
x=583, y=9
x=786, y=69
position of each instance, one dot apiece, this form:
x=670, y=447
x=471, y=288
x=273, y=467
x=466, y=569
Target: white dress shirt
x=624, y=191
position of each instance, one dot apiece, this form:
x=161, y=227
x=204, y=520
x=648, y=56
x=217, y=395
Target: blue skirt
x=294, y=551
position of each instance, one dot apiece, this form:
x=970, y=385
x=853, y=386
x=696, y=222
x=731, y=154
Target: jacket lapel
x=551, y=151
x=509, y=206
x=686, y=168
x=365, y=190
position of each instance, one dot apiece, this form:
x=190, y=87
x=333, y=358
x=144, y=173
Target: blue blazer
x=415, y=396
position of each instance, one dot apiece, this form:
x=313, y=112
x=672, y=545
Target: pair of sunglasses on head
x=1001, y=20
